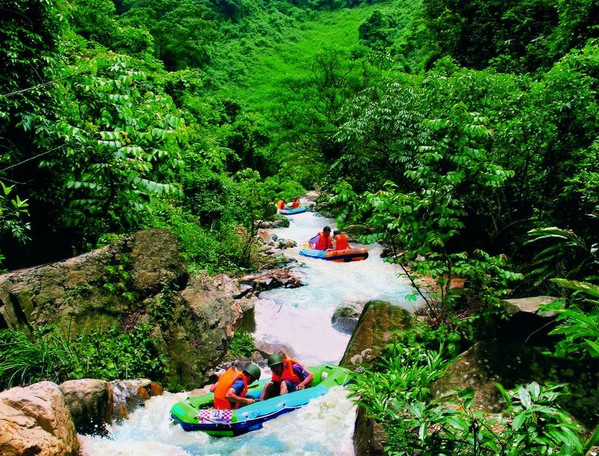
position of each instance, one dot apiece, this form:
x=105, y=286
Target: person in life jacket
x=341, y=242
x=295, y=204
x=323, y=240
x=281, y=204
x=231, y=388
x=288, y=375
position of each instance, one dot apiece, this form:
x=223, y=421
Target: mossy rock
x=377, y=324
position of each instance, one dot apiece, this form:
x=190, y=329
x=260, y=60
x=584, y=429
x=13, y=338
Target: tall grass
x=47, y=354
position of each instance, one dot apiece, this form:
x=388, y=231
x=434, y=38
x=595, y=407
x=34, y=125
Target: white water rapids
x=301, y=319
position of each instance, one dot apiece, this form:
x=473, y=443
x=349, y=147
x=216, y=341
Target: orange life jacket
x=225, y=382
x=341, y=242
x=323, y=243
x=280, y=204
x=287, y=373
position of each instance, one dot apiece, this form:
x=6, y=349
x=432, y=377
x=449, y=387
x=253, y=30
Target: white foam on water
x=301, y=319
x=148, y=432
x=324, y=427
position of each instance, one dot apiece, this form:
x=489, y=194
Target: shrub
x=242, y=344
x=46, y=354
x=395, y=390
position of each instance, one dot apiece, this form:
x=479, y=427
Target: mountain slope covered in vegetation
x=461, y=134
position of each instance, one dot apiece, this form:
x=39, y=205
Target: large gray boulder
x=44, y=418
x=139, y=279
x=346, y=316
x=90, y=402
x=207, y=318
x=377, y=323
x=95, y=289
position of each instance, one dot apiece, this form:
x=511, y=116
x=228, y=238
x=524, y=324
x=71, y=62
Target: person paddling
x=231, y=388
x=288, y=376
x=281, y=205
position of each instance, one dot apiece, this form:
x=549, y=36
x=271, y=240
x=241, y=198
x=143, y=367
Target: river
x=301, y=319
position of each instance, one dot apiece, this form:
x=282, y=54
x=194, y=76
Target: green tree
x=120, y=143
x=30, y=37
x=425, y=217
x=183, y=34
x=253, y=202
x=475, y=33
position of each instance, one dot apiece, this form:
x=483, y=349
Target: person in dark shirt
x=288, y=376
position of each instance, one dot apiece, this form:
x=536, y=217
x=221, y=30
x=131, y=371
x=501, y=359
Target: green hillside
x=253, y=68
x=460, y=135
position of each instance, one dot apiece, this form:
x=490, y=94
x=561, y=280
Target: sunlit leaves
x=13, y=215
x=119, y=147
x=183, y=35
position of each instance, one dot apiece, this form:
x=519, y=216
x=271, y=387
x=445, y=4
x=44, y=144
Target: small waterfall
x=323, y=427
x=301, y=319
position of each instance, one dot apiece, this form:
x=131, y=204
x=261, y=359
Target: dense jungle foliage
x=461, y=133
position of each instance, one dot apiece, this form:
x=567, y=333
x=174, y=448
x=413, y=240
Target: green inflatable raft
x=196, y=413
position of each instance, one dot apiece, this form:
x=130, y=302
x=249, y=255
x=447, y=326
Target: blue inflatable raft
x=298, y=210
x=339, y=256
x=195, y=412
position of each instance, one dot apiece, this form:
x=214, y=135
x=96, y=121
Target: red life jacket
x=341, y=242
x=225, y=382
x=287, y=373
x=280, y=204
x=296, y=204
x=323, y=243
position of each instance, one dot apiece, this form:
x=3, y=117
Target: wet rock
x=345, y=325
x=90, y=402
x=203, y=322
x=285, y=244
x=271, y=279
x=96, y=403
x=244, y=290
x=264, y=236
x=36, y=421
x=345, y=318
x=377, y=322
x=370, y=437
x=131, y=394
x=527, y=323
x=265, y=349
x=280, y=221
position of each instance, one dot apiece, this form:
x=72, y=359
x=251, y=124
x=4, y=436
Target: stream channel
x=299, y=318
